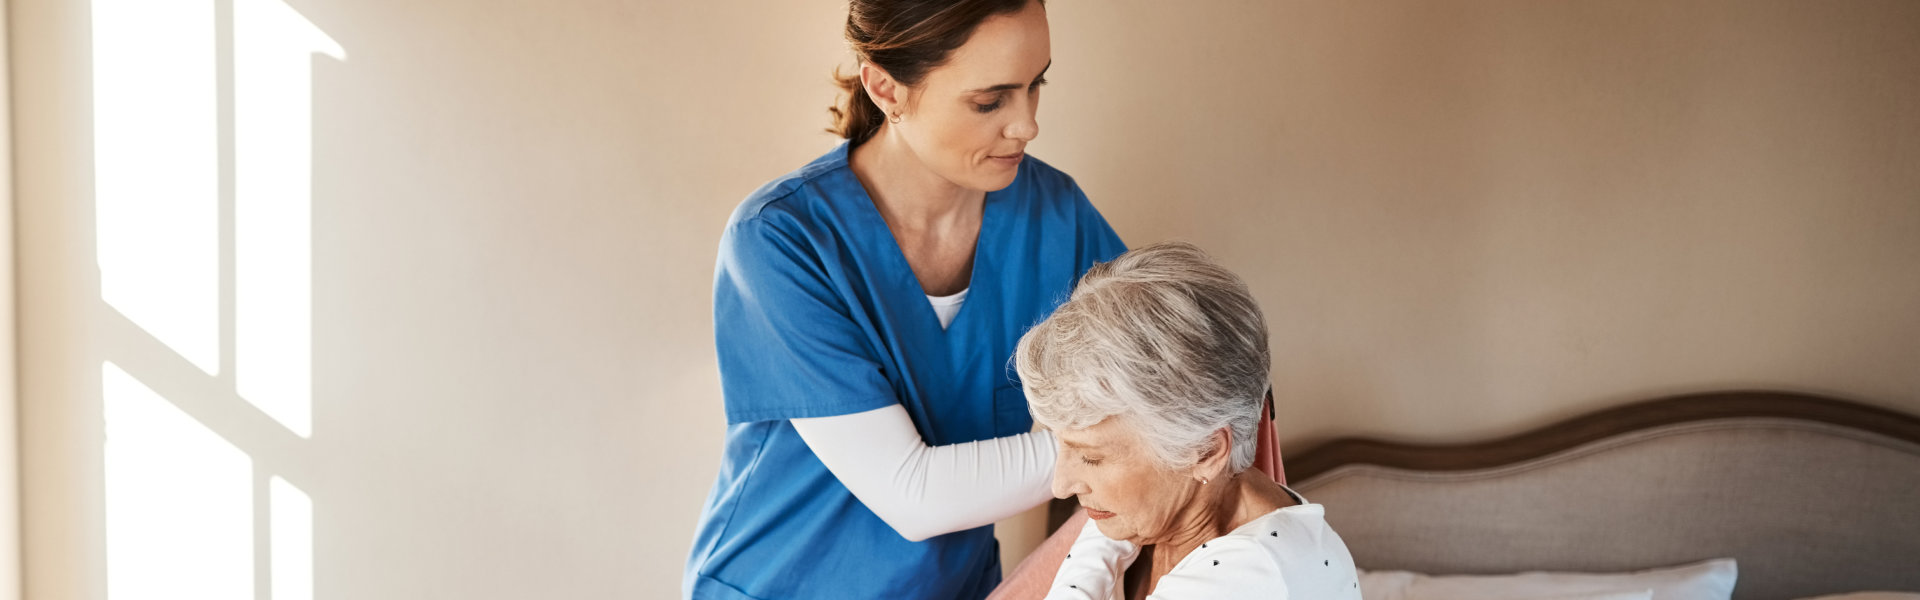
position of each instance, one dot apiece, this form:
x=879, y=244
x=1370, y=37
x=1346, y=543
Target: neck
x=1211, y=515
x=1238, y=500
x=908, y=194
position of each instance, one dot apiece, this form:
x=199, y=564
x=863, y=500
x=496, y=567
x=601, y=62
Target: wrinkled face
x=970, y=119
x=1125, y=489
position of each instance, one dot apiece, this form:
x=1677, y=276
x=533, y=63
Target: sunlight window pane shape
x=274, y=48
x=290, y=518
x=179, y=509
x=156, y=170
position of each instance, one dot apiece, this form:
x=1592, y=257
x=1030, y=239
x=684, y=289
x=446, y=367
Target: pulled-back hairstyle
x=907, y=38
x=1163, y=338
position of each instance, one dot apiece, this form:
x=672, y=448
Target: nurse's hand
x=1031, y=578
x=1077, y=561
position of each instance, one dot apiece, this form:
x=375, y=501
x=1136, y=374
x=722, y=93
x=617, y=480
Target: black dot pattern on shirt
x=1216, y=562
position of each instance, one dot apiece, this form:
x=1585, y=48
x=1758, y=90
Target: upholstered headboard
x=1811, y=495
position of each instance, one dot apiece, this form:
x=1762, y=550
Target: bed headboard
x=1811, y=495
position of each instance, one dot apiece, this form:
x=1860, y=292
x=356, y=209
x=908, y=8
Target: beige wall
x=1467, y=218
x=10, y=585
x=1462, y=218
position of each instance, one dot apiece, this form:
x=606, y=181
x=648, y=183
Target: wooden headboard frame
x=1592, y=427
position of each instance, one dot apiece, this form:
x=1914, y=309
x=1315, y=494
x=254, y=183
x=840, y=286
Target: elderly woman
x=1152, y=376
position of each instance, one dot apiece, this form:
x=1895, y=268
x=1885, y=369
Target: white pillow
x=1640, y=595
x=1706, y=580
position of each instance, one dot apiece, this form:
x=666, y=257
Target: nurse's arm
x=923, y=491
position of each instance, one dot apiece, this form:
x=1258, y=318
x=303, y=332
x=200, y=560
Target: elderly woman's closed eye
x=1153, y=376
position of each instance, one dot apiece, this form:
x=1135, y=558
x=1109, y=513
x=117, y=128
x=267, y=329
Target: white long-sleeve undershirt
x=923, y=491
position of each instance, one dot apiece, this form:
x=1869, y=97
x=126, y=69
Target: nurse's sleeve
x=922, y=491
x=789, y=349
x=787, y=344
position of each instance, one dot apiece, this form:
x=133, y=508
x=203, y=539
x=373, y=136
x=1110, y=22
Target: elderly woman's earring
x=1203, y=481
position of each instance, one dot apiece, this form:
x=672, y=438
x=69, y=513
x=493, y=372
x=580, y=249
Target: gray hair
x=1162, y=337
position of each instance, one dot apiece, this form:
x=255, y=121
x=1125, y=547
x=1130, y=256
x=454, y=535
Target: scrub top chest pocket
x=1010, y=416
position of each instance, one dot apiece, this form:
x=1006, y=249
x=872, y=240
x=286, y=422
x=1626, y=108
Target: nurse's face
x=970, y=119
x=1127, y=491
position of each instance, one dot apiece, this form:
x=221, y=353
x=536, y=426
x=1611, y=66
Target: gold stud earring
x=894, y=118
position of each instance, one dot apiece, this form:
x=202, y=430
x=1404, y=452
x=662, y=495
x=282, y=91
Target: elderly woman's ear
x=1216, y=461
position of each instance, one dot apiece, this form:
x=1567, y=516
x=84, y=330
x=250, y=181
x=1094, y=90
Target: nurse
x=866, y=307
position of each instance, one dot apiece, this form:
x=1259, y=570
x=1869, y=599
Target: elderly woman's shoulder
x=1289, y=549
x=1232, y=566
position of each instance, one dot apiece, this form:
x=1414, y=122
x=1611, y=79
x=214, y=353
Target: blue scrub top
x=817, y=314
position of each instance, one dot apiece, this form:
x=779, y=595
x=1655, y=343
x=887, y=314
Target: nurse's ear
x=886, y=92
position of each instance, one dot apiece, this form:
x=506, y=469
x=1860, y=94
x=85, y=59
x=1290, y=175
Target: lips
x=1012, y=159
x=1098, y=514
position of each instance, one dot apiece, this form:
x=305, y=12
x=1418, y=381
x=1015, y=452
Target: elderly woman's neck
x=1236, y=501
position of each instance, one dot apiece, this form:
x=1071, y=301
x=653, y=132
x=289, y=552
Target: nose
x=1025, y=127
x=1066, y=483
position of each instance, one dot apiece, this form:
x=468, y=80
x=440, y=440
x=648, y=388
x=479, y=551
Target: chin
x=1116, y=531
x=994, y=183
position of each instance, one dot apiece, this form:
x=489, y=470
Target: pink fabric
x=1266, y=454
x=1030, y=579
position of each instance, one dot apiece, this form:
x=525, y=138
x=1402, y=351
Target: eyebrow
x=1011, y=86
x=1075, y=446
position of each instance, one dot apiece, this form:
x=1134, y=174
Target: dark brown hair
x=907, y=38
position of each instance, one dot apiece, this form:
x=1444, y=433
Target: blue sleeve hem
x=809, y=411
x=707, y=588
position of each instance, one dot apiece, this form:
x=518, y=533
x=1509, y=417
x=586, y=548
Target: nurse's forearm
x=923, y=491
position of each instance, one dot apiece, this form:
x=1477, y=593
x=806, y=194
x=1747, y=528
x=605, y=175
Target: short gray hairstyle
x=1162, y=337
